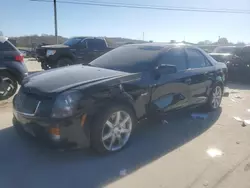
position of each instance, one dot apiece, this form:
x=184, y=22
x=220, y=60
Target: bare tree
x=223, y=41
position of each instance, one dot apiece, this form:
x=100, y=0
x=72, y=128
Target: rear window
x=6, y=46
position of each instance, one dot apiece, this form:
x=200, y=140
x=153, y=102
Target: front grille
x=32, y=104
x=25, y=103
x=40, y=52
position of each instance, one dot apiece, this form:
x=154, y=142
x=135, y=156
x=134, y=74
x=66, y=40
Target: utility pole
x=55, y=17
x=143, y=36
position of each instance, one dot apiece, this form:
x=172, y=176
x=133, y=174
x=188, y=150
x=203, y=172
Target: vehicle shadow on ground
x=238, y=86
x=25, y=164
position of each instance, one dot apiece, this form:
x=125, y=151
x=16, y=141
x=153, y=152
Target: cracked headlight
x=66, y=104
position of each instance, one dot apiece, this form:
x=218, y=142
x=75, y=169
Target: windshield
x=224, y=49
x=131, y=58
x=72, y=41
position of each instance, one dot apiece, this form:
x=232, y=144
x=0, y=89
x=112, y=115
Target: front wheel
x=215, y=97
x=113, y=128
x=8, y=85
x=45, y=66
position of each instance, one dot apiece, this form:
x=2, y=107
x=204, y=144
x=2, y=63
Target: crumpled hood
x=61, y=79
x=55, y=46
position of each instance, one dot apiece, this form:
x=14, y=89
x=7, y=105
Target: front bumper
x=51, y=60
x=71, y=133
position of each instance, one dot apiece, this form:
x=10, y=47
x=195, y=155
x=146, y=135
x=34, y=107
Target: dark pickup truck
x=224, y=53
x=74, y=51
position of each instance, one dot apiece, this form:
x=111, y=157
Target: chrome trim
x=28, y=114
x=37, y=107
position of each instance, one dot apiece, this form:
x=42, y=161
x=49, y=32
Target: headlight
x=50, y=52
x=66, y=104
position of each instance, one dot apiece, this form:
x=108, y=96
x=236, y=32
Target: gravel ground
x=183, y=153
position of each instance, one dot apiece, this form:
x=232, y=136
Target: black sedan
x=99, y=105
x=224, y=53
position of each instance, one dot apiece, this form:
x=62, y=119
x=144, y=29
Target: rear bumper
x=71, y=134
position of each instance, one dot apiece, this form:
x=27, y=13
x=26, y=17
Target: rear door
x=201, y=73
x=81, y=52
x=171, y=91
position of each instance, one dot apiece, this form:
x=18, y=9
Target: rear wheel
x=113, y=128
x=8, y=85
x=64, y=62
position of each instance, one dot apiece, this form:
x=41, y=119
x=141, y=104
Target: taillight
x=19, y=58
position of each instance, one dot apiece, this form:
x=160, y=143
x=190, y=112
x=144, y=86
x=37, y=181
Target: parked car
x=12, y=68
x=74, y=51
x=239, y=65
x=99, y=105
x=224, y=53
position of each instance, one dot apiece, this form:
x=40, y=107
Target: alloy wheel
x=116, y=130
x=216, y=97
x=7, y=86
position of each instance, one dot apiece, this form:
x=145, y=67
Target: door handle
x=188, y=81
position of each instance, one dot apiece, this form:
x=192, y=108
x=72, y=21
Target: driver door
x=171, y=91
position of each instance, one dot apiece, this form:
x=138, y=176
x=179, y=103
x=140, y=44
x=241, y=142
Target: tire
x=102, y=134
x=45, y=66
x=214, y=99
x=8, y=85
x=64, y=62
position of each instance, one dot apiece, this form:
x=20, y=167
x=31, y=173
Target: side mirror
x=166, y=69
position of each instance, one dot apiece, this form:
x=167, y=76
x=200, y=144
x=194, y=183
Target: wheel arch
x=99, y=107
x=17, y=79
x=219, y=81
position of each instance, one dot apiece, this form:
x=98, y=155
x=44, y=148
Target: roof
x=3, y=39
x=89, y=37
x=158, y=46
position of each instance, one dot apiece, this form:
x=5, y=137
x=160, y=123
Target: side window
x=83, y=44
x=175, y=56
x=196, y=59
x=96, y=44
x=91, y=44
x=100, y=44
